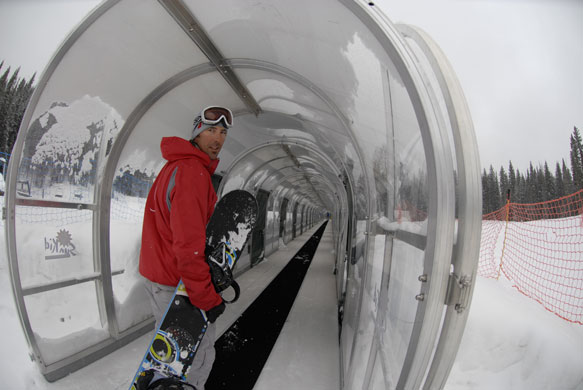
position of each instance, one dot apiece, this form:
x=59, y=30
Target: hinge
x=458, y=292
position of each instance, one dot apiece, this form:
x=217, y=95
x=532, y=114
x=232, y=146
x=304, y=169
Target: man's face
x=211, y=140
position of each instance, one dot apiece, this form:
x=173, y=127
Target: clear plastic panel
x=127, y=212
x=324, y=30
x=378, y=380
x=65, y=321
x=87, y=98
x=53, y=245
x=351, y=308
x=301, y=112
x=406, y=266
x=121, y=57
x=65, y=150
x=370, y=305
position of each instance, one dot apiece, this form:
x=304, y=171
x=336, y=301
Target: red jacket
x=178, y=209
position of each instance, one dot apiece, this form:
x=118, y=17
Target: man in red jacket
x=178, y=208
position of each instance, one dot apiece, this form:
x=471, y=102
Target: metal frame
x=100, y=220
x=185, y=19
x=441, y=206
x=11, y=201
x=425, y=363
x=465, y=256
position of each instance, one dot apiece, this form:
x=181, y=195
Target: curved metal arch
x=285, y=178
x=309, y=107
x=366, y=181
x=10, y=194
x=246, y=63
x=301, y=143
x=465, y=256
x=103, y=196
x=441, y=208
x=439, y=246
x=267, y=162
x=291, y=141
x=301, y=178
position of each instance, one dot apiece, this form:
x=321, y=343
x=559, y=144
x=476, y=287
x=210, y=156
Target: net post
x=505, y=234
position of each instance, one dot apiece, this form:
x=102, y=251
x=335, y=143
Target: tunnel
x=340, y=116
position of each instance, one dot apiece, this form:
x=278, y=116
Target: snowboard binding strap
x=220, y=261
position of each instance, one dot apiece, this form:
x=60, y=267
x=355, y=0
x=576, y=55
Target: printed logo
x=60, y=247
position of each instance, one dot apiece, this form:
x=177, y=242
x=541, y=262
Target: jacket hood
x=176, y=148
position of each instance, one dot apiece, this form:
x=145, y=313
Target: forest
x=536, y=184
x=15, y=92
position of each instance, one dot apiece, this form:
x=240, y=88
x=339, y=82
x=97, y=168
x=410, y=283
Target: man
x=178, y=208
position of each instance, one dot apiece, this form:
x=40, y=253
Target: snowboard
x=172, y=350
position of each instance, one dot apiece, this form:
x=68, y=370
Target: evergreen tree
x=577, y=159
x=519, y=195
x=504, y=183
x=6, y=96
x=532, y=192
x=567, y=179
x=559, y=182
x=493, y=196
x=485, y=192
x=549, y=190
x=15, y=93
x=512, y=180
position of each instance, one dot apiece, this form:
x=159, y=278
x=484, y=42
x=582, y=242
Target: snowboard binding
x=220, y=261
x=153, y=380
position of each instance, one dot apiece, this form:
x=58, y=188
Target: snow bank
x=512, y=342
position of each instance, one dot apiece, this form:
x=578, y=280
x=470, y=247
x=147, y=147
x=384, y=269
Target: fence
x=539, y=248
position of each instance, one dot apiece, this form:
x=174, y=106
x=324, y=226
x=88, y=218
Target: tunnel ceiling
x=298, y=165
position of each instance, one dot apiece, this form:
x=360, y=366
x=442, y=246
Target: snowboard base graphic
x=174, y=346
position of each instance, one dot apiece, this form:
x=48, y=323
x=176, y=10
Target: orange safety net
x=539, y=248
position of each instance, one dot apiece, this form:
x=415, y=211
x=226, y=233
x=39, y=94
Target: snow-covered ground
x=510, y=342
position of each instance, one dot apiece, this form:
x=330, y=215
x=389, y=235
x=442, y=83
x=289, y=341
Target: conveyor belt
x=245, y=347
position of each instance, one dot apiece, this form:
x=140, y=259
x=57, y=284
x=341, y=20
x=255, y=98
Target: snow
x=510, y=342
x=67, y=148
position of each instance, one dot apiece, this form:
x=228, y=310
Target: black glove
x=215, y=312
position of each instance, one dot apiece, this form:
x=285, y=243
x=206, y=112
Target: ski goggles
x=214, y=114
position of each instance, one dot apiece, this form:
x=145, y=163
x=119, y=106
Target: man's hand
x=215, y=312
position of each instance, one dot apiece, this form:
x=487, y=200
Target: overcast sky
x=520, y=63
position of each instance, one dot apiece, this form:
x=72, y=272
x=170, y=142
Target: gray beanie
x=199, y=127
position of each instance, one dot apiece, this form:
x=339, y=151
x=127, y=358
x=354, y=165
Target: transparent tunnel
x=338, y=113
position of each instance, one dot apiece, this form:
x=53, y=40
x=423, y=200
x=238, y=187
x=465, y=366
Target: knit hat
x=212, y=116
x=199, y=127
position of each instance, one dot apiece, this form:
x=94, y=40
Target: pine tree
x=512, y=180
x=519, y=195
x=15, y=93
x=504, y=183
x=23, y=94
x=567, y=179
x=7, y=84
x=549, y=190
x=577, y=159
x=493, y=191
x=559, y=182
x=485, y=192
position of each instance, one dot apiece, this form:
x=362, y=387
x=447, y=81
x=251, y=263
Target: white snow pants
x=160, y=296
